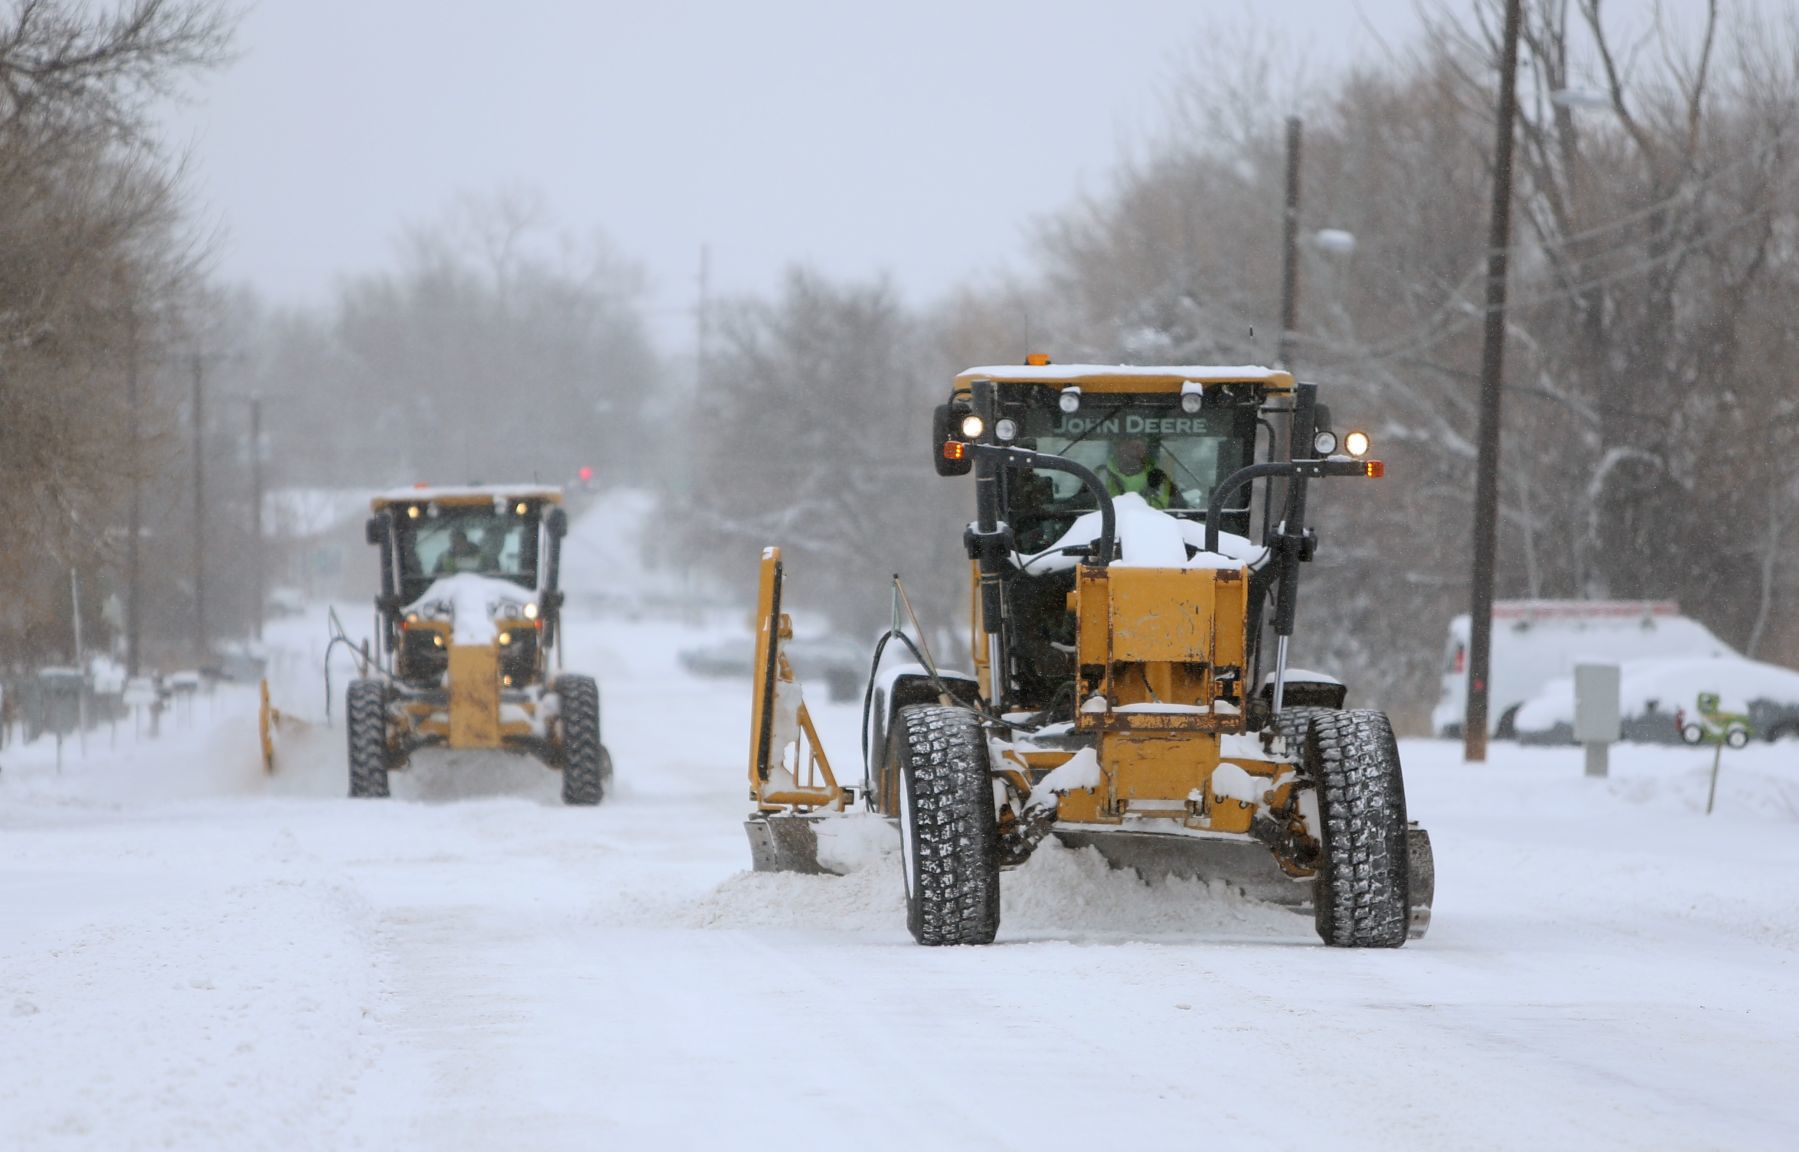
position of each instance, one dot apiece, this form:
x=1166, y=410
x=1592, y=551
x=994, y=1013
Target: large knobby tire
x=1363, y=893
x=586, y=767
x=949, y=838
x=365, y=712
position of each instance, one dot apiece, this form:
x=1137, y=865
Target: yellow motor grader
x=1129, y=688
x=468, y=624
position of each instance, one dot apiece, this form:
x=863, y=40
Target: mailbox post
x=61, y=691
x=1598, y=714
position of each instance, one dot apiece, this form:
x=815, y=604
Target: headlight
x=1006, y=430
x=531, y=610
x=972, y=427
x=1324, y=443
x=1356, y=444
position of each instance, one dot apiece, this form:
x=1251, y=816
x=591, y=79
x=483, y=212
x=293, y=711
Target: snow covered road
x=193, y=957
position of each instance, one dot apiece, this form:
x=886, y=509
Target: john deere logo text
x=1133, y=424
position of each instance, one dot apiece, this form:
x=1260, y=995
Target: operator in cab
x=1131, y=467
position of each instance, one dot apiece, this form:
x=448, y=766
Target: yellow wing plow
x=791, y=783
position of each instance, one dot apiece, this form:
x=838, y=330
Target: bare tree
x=93, y=259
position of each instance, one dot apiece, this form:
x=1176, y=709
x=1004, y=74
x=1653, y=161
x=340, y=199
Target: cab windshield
x=1142, y=444
x=449, y=540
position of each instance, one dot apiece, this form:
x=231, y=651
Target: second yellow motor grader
x=469, y=632
x=1130, y=688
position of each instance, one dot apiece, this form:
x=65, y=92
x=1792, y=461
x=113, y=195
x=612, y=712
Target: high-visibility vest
x=1151, y=484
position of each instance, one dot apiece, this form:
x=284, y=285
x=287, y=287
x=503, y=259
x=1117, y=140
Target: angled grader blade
x=791, y=783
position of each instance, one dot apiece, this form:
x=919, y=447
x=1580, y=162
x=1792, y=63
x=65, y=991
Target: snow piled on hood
x=472, y=599
x=1148, y=538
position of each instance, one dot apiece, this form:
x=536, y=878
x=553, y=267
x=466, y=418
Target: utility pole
x=200, y=645
x=134, y=456
x=257, y=547
x=1283, y=355
x=702, y=319
x=1492, y=364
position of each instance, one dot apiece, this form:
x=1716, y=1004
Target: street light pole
x=135, y=529
x=200, y=645
x=258, y=574
x=1492, y=364
x=1283, y=355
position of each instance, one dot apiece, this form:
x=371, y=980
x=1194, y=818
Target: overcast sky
x=917, y=138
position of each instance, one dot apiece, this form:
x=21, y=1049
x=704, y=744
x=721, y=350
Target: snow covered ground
x=194, y=956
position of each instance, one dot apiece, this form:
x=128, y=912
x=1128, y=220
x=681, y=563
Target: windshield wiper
x=1095, y=427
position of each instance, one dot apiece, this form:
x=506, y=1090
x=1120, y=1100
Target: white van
x=1536, y=641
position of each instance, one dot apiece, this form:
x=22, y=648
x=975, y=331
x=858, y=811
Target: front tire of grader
x=586, y=766
x=365, y=712
x=949, y=835
x=1363, y=894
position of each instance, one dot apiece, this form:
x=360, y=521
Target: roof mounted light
x=1193, y=397
x=1036, y=360
x=1070, y=400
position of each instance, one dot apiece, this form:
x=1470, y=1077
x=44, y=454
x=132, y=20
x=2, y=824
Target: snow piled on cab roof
x=1074, y=373
x=497, y=492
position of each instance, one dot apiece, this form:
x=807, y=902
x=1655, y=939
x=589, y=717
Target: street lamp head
x=1334, y=240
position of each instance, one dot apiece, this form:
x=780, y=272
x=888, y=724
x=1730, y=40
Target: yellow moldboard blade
x=474, y=696
x=784, y=844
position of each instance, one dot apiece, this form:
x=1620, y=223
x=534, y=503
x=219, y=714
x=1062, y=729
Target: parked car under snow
x=838, y=664
x=1653, y=692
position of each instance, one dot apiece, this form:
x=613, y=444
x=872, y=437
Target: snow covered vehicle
x=1659, y=701
x=467, y=620
x=1537, y=643
x=1130, y=688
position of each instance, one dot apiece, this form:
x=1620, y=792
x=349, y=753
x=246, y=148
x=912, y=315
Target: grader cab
x=1129, y=686
x=469, y=635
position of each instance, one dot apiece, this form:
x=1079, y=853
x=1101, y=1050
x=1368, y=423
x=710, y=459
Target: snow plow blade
x=784, y=844
x=790, y=777
x=1244, y=865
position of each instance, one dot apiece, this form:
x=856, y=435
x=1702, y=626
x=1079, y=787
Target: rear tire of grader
x=1363, y=892
x=365, y=711
x=949, y=836
x=586, y=766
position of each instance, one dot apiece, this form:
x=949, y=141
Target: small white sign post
x=1598, y=715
